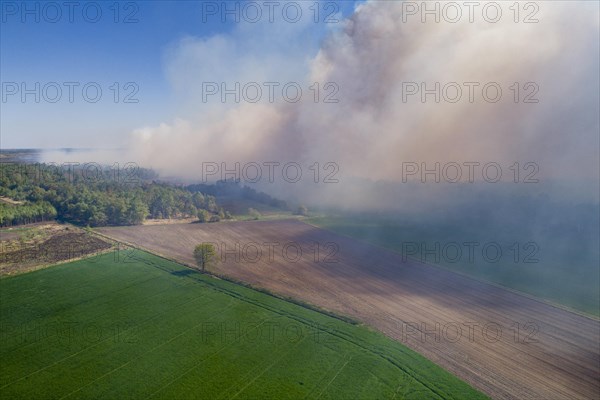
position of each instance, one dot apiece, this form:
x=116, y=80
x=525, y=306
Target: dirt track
x=541, y=352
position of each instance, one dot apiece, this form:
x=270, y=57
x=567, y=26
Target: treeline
x=26, y=213
x=231, y=188
x=101, y=198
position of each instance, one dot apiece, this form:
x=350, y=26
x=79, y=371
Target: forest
x=39, y=192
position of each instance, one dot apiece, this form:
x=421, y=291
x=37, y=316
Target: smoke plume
x=373, y=58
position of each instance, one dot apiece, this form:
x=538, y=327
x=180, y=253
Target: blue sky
x=104, y=52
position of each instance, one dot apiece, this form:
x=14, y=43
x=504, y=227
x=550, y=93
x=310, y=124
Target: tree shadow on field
x=183, y=272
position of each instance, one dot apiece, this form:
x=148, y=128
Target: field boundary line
x=226, y=278
x=344, y=337
x=302, y=320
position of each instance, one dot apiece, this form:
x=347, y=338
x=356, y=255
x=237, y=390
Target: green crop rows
x=145, y=327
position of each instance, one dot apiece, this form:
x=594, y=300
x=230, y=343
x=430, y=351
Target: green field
x=564, y=268
x=140, y=326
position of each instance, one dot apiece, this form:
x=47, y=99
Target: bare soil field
x=507, y=345
x=29, y=247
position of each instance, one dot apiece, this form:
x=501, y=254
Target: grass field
x=563, y=268
x=143, y=327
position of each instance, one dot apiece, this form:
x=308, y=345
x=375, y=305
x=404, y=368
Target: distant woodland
x=102, y=196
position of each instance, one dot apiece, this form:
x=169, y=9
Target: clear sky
x=129, y=42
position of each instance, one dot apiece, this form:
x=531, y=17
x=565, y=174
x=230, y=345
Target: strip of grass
x=151, y=328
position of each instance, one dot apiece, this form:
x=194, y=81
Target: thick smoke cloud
x=375, y=126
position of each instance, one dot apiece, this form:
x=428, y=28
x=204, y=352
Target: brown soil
x=34, y=246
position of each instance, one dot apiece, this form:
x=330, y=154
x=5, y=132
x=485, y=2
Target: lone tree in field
x=204, y=254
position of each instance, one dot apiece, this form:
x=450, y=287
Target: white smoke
x=373, y=129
